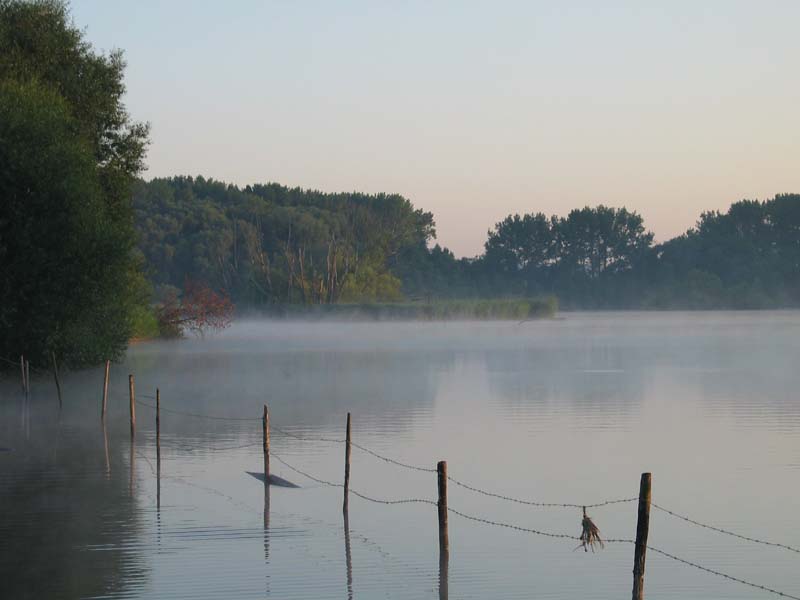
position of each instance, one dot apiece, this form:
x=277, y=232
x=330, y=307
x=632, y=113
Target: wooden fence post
x=55, y=374
x=265, y=431
x=444, y=541
x=347, y=467
x=105, y=392
x=132, y=394
x=642, y=530
x=158, y=427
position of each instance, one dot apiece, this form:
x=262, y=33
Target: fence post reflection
x=444, y=573
x=266, y=535
x=348, y=554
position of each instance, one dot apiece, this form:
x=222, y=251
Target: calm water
x=567, y=411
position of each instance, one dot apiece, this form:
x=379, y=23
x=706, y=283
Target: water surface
x=563, y=411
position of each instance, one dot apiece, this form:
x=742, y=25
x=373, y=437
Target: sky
x=471, y=110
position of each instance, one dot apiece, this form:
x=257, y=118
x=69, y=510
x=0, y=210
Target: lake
x=566, y=411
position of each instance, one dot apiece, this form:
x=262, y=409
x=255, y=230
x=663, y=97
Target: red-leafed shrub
x=198, y=310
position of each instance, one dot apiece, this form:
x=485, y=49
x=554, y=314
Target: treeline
x=747, y=257
x=268, y=244
x=271, y=245
x=71, y=288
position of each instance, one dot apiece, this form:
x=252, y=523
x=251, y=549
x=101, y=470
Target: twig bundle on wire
x=590, y=534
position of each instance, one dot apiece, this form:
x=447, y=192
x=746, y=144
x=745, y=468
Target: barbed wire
x=725, y=531
x=539, y=504
x=391, y=460
x=352, y=491
x=305, y=438
x=566, y=536
x=186, y=446
x=403, y=501
x=721, y=574
x=401, y=464
x=191, y=414
x=529, y=530
x=304, y=474
x=355, y=445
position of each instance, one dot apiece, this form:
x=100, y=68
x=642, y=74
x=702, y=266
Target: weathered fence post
x=132, y=394
x=55, y=374
x=441, y=472
x=265, y=431
x=105, y=391
x=347, y=467
x=158, y=426
x=642, y=530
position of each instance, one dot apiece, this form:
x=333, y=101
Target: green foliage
x=67, y=155
x=573, y=257
x=267, y=244
x=748, y=257
x=270, y=245
x=144, y=323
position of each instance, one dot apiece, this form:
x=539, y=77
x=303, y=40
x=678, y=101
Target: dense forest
x=271, y=245
x=267, y=244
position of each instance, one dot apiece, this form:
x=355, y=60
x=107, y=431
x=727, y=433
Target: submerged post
x=55, y=374
x=347, y=467
x=642, y=530
x=265, y=432
x=444, y=541
x=105, y=391
x=132, y=394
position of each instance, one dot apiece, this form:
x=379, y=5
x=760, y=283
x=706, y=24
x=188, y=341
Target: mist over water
x=570, y=410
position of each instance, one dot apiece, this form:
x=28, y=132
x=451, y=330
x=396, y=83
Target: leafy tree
x=595, y=241
x=267, y=244
x=68, y=152
x=520, y=251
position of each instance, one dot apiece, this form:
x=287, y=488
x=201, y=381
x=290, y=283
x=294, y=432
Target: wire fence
x=572, y=537
x=725, y=531
x=192, y=414
x=351, y=490
x=510, y=526
x=539, y=504
x=469, y=487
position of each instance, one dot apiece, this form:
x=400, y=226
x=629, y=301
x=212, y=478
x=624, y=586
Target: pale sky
x=472, y=110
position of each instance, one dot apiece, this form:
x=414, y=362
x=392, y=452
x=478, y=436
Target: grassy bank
x=515, y=309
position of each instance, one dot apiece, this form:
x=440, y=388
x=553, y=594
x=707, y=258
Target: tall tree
x=68, y=154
